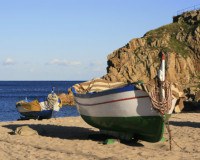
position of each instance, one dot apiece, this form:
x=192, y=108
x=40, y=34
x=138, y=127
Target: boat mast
x=161, y=76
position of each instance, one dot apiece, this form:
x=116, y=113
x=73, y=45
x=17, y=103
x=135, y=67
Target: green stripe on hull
x=148, y=128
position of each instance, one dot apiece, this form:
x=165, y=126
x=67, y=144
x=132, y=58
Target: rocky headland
x=139, y=59
x=180, y=41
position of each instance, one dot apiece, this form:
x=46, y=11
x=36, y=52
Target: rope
x=171, y=139
x=170, y=136
x=96, y=85
x=164, y=105
x=90, y=85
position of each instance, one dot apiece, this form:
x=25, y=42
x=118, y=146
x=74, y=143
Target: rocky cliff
x=139, y=58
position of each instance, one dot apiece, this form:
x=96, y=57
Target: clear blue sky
x=70, y=39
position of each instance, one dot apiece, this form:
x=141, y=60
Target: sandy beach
x=71, y=138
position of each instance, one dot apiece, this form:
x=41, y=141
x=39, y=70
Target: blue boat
x=39, y=108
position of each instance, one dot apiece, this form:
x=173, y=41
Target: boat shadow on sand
x=185, y=123
x=189, y=107
x=69, y=132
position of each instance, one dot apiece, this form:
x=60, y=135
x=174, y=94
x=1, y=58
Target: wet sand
x=71, y=138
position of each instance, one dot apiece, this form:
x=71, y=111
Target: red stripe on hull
x=124, y=99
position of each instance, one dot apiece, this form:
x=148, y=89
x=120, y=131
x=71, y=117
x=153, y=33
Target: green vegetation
x=179, y=47
x=166, y=50
x=149, y=40
x=159, y=32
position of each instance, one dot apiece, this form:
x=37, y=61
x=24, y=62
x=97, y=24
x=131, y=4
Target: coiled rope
x=164, y=105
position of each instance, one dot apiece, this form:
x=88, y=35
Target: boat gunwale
x=124, y=88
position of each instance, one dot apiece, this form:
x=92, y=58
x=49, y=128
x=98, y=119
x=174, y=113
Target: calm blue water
x=14, y=91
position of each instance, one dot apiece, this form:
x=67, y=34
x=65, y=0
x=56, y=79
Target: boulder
x=25, y=131
x=197, y=96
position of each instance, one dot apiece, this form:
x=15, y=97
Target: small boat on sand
x=39, y=108
x=125, y=110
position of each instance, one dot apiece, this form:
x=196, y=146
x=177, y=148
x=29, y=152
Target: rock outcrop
x=140, y=58
x=67, y=98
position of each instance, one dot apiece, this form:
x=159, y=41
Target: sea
x=14, y=91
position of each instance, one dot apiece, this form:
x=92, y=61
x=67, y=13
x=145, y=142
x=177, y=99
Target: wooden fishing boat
x=39, y=108
x=122, y=109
